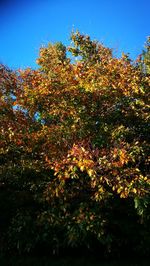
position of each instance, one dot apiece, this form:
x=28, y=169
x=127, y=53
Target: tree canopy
x=75, y=145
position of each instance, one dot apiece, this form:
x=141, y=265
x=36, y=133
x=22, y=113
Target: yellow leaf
x=90, y=172
x=82, y=168
x=134, y=190
x=119, y=189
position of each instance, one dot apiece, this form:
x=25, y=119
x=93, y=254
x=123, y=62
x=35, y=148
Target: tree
x=78, y=144
x=144, y=58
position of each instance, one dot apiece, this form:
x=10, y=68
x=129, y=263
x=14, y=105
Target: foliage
x=66, y=261
x=144, y=58
x=74, y=150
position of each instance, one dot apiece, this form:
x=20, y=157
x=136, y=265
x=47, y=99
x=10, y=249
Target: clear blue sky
x=25, y=25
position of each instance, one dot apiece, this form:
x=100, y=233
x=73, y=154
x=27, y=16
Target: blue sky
x=26, y=25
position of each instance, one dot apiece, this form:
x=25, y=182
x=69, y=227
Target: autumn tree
x=75, y=139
